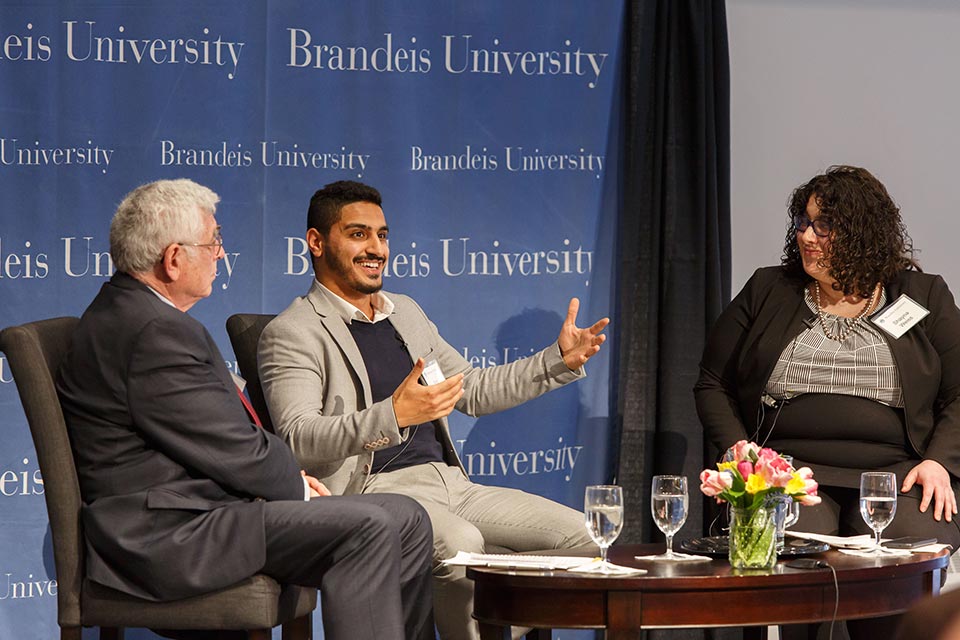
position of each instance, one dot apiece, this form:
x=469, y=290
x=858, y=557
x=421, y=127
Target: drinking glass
x=668, y=504
x=793, y=514
x=878, y=500
x=787, y=510
x=603, y=510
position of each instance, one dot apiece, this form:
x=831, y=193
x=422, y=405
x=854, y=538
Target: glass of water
x=878, y=500
x=668, y=503
x=603, y=510
x=787, y=510
x=786, y=514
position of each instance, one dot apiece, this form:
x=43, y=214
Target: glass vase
x=753, y=537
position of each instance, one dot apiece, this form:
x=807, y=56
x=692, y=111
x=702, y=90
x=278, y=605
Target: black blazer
x=170, y=467
x=753, y=330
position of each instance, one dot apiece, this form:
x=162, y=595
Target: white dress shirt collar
x=161, y=296
x=382, y=306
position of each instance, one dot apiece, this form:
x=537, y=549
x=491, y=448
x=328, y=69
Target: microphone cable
x=822, y=564
x=416, y=427
x=768, y=401
x=761, y=412
x=836, y=595
x=398, y=454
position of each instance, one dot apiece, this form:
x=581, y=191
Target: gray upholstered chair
x=244, y=330
x=254, y=605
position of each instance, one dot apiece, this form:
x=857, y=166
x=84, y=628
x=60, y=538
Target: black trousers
x=839, y=514
x=369, y=555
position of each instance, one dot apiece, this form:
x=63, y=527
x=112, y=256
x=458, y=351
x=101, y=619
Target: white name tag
x=900, y=316
x=432, y=374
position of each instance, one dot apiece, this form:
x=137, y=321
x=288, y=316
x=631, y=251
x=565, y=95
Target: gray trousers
x=368, y=555
x=473, y=517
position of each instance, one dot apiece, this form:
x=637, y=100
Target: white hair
x=154, y=216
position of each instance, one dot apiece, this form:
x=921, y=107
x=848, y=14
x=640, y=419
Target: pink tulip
x=745, y=467
x=810, y=485
x=805, y=472
x=780, y=478
x=743, y=449
x=779, y=463
x=772, y=468
x=714, y=482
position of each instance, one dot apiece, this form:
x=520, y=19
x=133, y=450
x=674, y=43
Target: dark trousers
x=369, y=555
x=839, y=514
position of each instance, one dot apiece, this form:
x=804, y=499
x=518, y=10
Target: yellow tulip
x=756, y=483
x=795, y=486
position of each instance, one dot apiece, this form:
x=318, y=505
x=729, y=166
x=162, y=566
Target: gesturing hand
x=414, y=403
x=579, y=345
x=935, y=481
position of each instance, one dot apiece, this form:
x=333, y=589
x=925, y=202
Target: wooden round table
x=700, y=594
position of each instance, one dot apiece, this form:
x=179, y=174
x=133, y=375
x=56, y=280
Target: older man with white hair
x=182, y=494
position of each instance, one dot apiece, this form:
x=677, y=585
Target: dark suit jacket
x=770, y=311
x=170, y=467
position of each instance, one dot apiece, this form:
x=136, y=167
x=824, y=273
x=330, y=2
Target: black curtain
x=674, y=244
x=674, y=252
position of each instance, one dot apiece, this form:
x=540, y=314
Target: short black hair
x=326, y=204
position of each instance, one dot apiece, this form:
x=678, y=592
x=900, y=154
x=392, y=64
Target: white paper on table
x=516, y=561
x=840, y=542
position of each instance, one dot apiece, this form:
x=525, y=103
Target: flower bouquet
x=750, y=479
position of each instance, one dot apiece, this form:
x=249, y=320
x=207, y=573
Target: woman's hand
x=935, y=481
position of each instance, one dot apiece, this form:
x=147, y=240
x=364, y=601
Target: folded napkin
x=676, y=557
x=613, y=570
x=840, y=542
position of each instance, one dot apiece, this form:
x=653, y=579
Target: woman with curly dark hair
x=847, y=357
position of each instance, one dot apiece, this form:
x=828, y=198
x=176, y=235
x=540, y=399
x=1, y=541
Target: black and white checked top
x=861, y=365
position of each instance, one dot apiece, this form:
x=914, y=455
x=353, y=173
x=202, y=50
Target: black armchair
x=255, y=605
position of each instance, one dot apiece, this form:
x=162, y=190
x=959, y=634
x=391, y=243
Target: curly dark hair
x=325, y=205
x=868, y=241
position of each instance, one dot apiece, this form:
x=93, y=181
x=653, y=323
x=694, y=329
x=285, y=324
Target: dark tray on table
x=718, y=547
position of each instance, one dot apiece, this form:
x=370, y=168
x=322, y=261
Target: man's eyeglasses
x=820, y=226
x=217, y=242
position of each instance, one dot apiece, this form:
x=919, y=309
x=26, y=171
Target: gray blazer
x=318, y=393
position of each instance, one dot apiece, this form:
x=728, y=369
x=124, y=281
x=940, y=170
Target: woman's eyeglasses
x=820, y=226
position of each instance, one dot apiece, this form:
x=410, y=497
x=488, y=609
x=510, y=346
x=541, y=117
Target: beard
x=344, y=268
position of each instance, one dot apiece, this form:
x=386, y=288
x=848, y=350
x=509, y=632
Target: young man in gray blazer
x=341, y=370
x=182, y=494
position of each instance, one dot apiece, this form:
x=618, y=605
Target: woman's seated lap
x=839, y=514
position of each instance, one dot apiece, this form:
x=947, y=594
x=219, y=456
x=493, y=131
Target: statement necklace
x=848, y=323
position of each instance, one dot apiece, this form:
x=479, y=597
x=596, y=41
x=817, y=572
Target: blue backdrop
x=492, y=130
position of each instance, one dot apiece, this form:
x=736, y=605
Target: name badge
x=900, y=316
